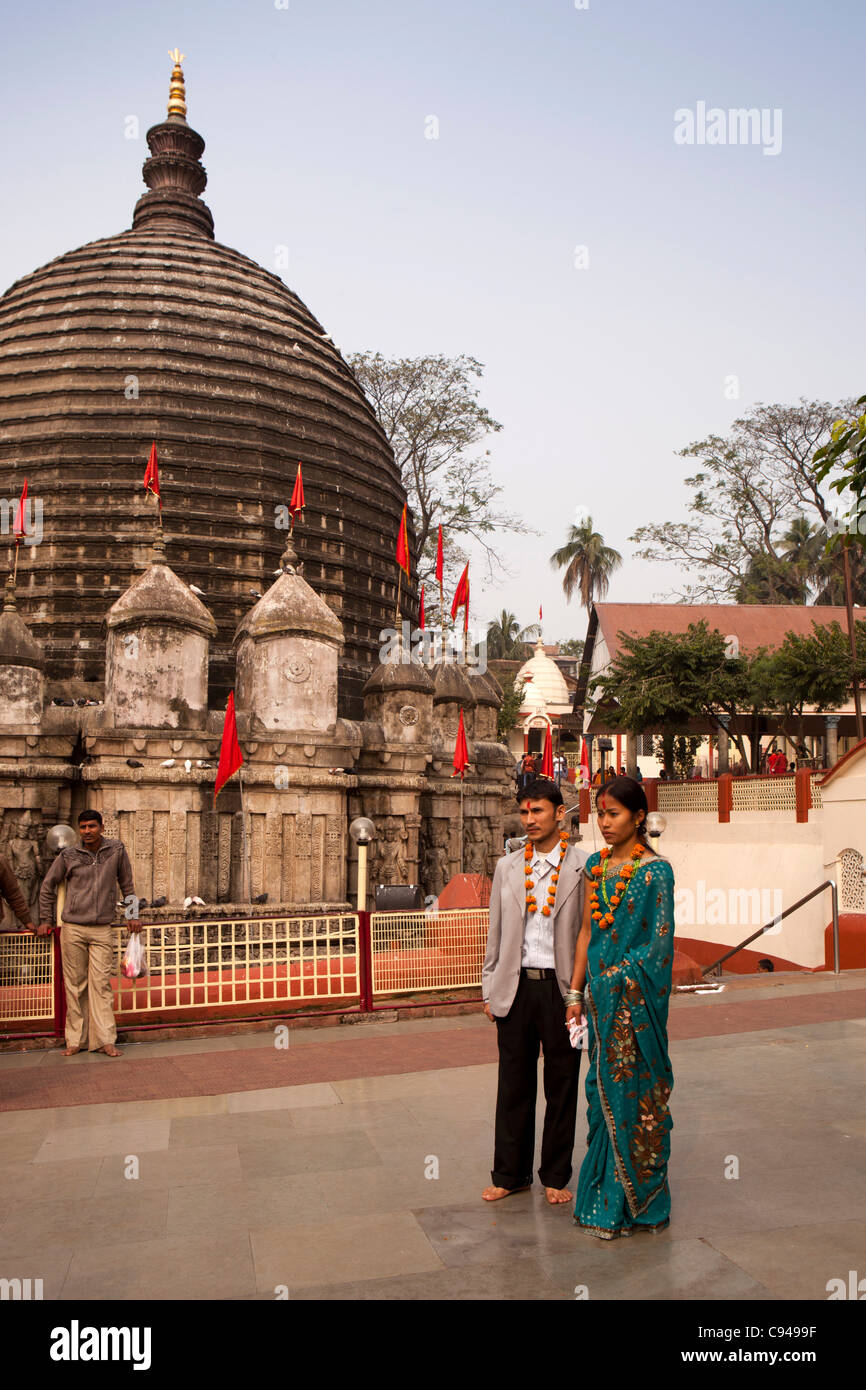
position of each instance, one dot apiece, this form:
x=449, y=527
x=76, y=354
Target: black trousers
x=536, y=1016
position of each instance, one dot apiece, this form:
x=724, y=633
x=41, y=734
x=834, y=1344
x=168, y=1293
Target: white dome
x=546, y=689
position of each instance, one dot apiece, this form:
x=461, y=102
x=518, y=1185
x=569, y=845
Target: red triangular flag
x=18, y=529
x=461, y=598
x=584, y=764
x=547, y=757
x=151, y=475
x=461, y=752
x=540, y=614
x=440, y=559
x=231, y=757
x=297, y=503
x=421, y=610
x=403, y=546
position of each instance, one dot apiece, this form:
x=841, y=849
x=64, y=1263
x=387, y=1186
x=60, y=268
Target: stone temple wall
x=154, y=784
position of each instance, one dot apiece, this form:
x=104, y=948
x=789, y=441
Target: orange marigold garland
x=605, y=919
x=531, y=902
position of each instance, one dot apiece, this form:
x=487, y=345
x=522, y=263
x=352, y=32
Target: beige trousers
x=88, y=963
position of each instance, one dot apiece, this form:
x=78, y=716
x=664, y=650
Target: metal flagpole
x=248, y=873
x=461, y=822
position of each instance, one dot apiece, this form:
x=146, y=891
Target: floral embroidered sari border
x=635, y=1205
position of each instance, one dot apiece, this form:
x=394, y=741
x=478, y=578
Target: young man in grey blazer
x=527, y=971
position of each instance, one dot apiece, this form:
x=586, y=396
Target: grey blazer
x=501, y=971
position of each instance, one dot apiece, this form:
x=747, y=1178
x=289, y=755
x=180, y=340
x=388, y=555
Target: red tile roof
x=753, y=624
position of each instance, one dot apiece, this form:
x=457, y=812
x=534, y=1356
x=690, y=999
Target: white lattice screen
x=764, y=794
x=852, y=893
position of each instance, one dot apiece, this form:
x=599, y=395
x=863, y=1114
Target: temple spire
x=174, y=174
x=177, y=92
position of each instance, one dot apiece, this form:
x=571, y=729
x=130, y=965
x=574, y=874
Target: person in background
x=92, y=872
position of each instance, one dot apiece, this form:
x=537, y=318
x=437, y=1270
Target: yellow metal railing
x=416, y=951
x=243, y=966
x=242, y=961
x=26, y=978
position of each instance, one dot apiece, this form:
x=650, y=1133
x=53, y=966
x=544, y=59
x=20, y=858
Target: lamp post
x=363, y=832
x=656, y=825
x=60, y=837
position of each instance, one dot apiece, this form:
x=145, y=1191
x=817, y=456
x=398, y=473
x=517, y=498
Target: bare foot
x=71, y=1051
x=495, y=1194
x=557, y=1195
x=110, y=1050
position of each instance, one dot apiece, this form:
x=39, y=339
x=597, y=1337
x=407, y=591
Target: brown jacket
x=91, y=884
x=11, y=891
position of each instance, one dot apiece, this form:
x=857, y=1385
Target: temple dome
x=17, y=646
x=546, y=690
x=159, y=596
x=161, y=332
x=291, y=607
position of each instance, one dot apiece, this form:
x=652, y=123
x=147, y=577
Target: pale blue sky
x=555, y=130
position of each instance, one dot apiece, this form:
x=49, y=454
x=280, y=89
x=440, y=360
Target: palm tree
x=768, y=579
x=506, y=639
x=588, y=563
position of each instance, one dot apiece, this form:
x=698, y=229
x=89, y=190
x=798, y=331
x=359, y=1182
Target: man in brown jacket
x=92, y=872
x=10, y=889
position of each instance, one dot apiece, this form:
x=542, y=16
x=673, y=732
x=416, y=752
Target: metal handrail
x=774, y=922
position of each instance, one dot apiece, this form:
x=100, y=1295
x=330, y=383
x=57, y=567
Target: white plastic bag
x=133, y=965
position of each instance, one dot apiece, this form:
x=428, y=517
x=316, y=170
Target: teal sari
x=623, y=1178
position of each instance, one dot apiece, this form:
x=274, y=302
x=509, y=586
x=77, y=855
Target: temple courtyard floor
x=350, y=1164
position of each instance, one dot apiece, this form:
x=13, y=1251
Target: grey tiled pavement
x=327, y=1190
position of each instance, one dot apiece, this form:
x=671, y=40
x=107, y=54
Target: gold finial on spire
x=177, y=94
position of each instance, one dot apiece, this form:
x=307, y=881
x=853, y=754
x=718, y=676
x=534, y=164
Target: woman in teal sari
x=622, y=983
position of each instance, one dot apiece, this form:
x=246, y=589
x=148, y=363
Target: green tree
x=587, y=561
x=509, y=710
x=664, y=680
x=436, y=426
x=845, y=454
x=812, y=670
x=678, y=753
x=747, y=494
x=573, y=647
x=506, y=639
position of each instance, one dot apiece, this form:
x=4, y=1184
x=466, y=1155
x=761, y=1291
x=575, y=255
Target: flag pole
x=399, y=582
x=461, y=822
x=248, y=872
x=15, y=568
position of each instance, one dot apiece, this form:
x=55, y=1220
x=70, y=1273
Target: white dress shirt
x=538, y=931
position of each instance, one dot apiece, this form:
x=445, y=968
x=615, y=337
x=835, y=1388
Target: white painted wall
x=758, y=864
